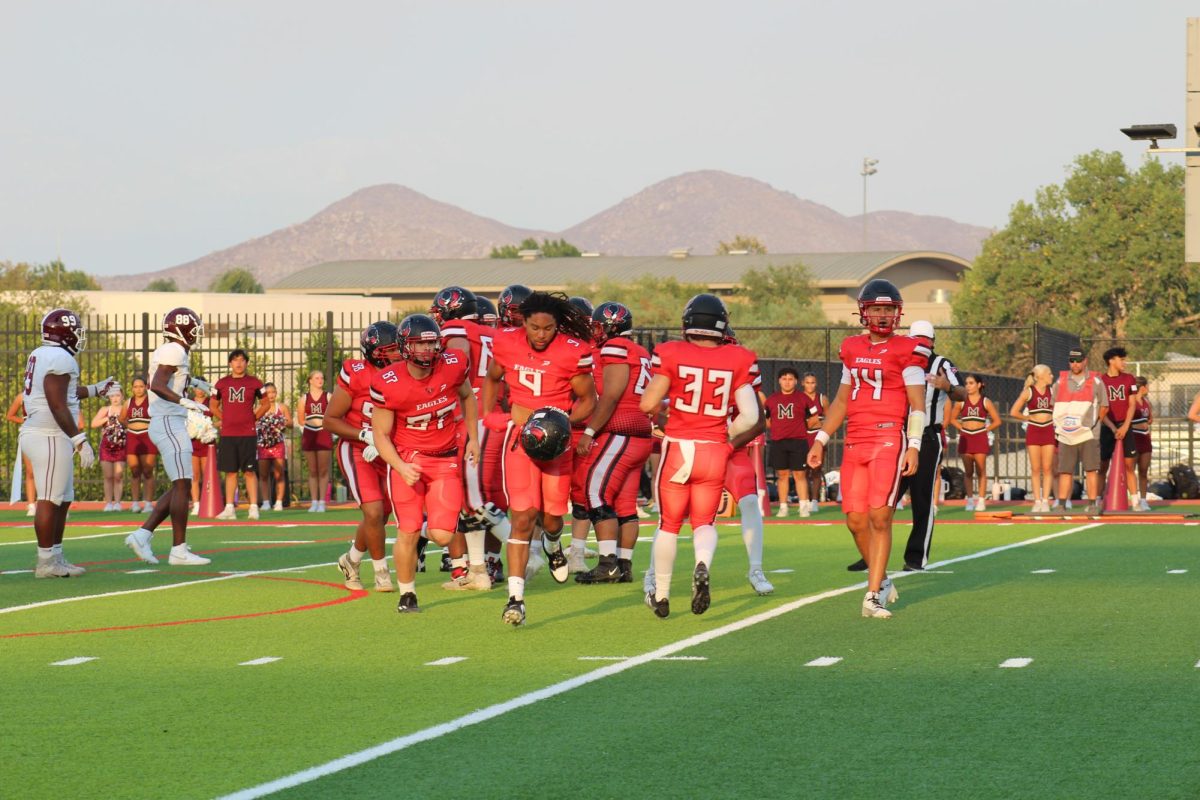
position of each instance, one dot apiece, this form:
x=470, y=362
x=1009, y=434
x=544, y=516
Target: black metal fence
x=284, y=347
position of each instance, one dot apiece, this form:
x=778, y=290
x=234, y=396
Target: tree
x=316, y=352
x=655, y=302
x=750, y=244
x=236, y=281
x=45, y=277
x=1101, y=255
x=162, y=285
x=550, y=248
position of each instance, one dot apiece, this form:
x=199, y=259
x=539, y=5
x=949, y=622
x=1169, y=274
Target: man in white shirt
x=169, y=407
x=50, y=434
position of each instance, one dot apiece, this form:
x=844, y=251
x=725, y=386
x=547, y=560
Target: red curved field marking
x=351, y=594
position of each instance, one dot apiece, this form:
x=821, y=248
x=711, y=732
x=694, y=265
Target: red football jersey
x=540, y=378
x=479, y=338
x=703, y=381
x=627, y=418
x=1121, y=389
x=875, y=373
x=425, y=408
x=355, y=379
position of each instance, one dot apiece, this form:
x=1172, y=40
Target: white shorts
x=170, y=436
x=53, y=462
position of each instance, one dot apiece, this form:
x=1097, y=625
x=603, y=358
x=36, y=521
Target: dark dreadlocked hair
x=571, y=320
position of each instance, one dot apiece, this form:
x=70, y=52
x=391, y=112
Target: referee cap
x=921, y=328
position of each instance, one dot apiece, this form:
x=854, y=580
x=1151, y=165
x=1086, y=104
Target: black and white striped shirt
x=935, y=399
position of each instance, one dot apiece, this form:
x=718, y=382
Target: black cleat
x=913, y=567
x=408, y=604
x=626, y=567
x=661, y=608
x=556, y=559
x=445, y=562
x=700, y=596
x=607, y=571
x=514, y=612
x=495, y=568
x=858, y=566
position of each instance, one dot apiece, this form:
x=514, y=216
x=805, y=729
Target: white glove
x=192, y=405
x=201, y=384
x=87, y=456
x=370, y=453
x=102, y=388
x=367, y=435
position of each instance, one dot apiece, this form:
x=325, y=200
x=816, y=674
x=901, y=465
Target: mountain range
x=695, y=209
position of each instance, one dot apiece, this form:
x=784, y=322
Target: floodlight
x=1150, y=133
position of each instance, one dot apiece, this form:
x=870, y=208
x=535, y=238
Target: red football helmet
x=64, y=328
x=417, y=329
x=183, y=325
x=879, y=292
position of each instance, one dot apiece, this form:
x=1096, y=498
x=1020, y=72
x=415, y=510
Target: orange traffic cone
x=212, y=499
x=1116, y=492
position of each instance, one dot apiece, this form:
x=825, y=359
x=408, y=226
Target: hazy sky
x=139, y=135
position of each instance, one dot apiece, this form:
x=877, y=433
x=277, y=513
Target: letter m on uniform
x=1116, y=393
x=787, y=411
x=237, y=394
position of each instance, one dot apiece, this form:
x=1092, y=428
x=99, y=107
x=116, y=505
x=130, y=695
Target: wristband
x=364, y=435
x=822, y=437
x=916, y=425
x=589, y=432
x=914, y=442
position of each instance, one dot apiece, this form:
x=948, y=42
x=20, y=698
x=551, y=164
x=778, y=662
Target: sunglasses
x=1075, y=360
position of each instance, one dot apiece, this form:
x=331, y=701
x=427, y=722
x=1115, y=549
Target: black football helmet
x=380, y=343
x=546, y=435
x=416, y=329
x=64, y=328
x=611, y=319
x=705, y=315
x=183, y=325
x=879, y=292
x=583, y=304
x=487, y=311
x=509, y=304
x=454, y=302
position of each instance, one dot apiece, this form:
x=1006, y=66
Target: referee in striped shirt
x=942, y=385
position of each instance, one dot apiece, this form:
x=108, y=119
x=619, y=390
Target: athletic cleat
x=760, y=583
x=970, y=506
x=648, y=582
x=446, y=566
x=887, y=593
x=535, y=563
x=514, y=612
x=872, y=608
x=74, y=570
x=478, y=579
x=50, y=568
x=557, y=560
x=661, y=608
x=408, y=604
x=350, y=572
x=607, y=571
x=182, y=556
x=700, y=596
x=383, y=581
x=626, y=567
x=495, y=568
x=858, y=566
x=458, y=583
x=253, y=512
x=141, y=547
x=913, y=567
x=576, y=561
x=228, y=513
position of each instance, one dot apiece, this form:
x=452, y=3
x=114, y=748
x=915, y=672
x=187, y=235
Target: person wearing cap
x=941, y=386
x=1080, y=404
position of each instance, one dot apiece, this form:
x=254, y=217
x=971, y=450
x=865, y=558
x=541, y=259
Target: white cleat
x=229, y=512
x=648, y=583
x=873, y=609
x=383, y=581
x=760, y=583
x=253, y=512
x=782, y=512
x=576, y=561
x=478, y=579
x=73, y=570
x=887, y=593
x=50, y=568
x=140, y=545
x=350, y=572
x=182, y=556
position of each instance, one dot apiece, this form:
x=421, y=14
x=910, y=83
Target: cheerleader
x=140, y=452
x=975, y=418
x=271, y=448
x=1035, y=407
x=112, y=449
x=1140, y=428
x=199, y=450
x=315, y=442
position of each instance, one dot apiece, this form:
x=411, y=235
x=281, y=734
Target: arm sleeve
x=914, y=376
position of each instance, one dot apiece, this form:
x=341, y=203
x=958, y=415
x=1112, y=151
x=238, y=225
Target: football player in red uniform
x=700, y=377
x=581, y=522
x=417, y=404
x=546, y=362
x=487, y=312
x=883, y=382
x=349, y=418
x=616, y=443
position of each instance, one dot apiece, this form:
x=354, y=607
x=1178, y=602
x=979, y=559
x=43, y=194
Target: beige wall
x=212, y=303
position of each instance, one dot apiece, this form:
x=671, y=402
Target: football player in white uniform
x=169, y=407
x=50, y=434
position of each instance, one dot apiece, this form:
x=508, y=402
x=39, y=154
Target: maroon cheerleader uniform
x=112, y=439
x=1040, y=428
x=1139, y=426
x=270, y=427
x=315, y=437
x=137, y=426
x=973, y=442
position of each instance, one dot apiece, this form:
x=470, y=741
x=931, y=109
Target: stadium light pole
x=868, y=169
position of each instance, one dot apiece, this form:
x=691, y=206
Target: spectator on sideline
x=788, y=430
x=1120, y=387
x=1080, y=403
x=975, y=417
x=140, y=452
x=315, y=442
x=16, y=414
x=814, y=413
x=199, y=450
x=112, y=449
x=237, y=404
x=1142, y=416
x=1035, y=407
x=272, y=448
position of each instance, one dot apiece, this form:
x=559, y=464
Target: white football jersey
x=48, y=360
x=169, y=354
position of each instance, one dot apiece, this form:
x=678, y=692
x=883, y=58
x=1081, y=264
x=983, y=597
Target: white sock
x=56, y=549
x=179, y=549
x=458, y=563
x=381, y=566
x=475, y=545
x=704, y=542
x=607, y=548
x=45, y=553
x=665, y=545
x=625, y=553
x=406, y=587
x=516, y=587
x=579, y=546
x=752, y=529
x=355, y=555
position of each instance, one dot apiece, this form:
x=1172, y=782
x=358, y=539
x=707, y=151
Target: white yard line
x=445, y=662
x=824, y=661
x=72, y=662
x=528, y=699
x=1015, y=663
x=258, y=662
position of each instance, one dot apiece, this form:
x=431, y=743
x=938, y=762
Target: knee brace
x=579, y=512
x=604, y=512
x=626, y=520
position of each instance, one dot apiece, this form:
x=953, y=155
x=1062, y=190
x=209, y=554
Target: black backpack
x=1183, y=477
x=956, y=483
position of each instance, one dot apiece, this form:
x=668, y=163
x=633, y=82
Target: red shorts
x=1038, y=435
x=579, y=473
x=311, y=440
x=973, y=444
x=871, y=472
x=368, y=482
x=699, y=497
x=740, y=479
x=614, y=465
x=1141, y=442
x=435, y=498
x=545, y=485
x=139, y=444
